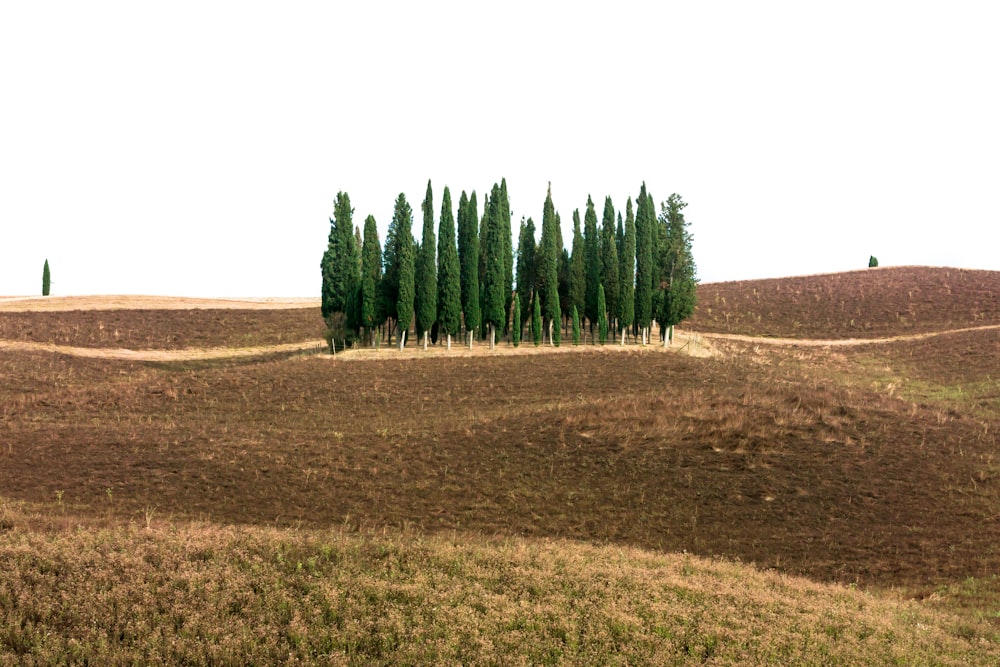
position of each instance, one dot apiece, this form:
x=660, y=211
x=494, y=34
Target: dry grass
x=196, y=593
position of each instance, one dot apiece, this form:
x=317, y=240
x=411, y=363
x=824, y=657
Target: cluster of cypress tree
x=618, y=278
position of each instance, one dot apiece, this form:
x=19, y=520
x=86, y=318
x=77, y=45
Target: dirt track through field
x=842, y=342
x=685, y=340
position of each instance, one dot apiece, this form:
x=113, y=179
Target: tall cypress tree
x=678, y=275
x=592, y=262
x=340, y=265
x=643, y=263
x=493, y=283
x=468, y=258
x=449, y=301
x=46, y=278
x=400, y=260
x=609, y=261
x=508, y=253
x=526, y=251
x=426, y=270
x=549, y=268
x=626, y=297
x=577, y=267
x=371, y=276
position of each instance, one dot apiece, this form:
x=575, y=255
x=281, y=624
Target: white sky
x=195, y=148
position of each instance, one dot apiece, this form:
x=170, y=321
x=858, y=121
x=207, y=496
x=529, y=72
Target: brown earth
x=881, y=302
x=164, y=329
x=751, y=457
x=870, y=463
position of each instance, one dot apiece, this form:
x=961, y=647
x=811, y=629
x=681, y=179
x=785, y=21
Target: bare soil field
x=758, y=460
x=871, y=303
x=164, y=328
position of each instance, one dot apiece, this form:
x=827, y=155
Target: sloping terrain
x=873, y=303
x=872, y=464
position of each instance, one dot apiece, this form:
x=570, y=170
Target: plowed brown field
x=164, y=329
x=874, y=303
x=876, y=464
x=730, y=456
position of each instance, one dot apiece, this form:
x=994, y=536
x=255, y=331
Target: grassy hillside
x=567, y=507
x=163, y=592
x=858, y=304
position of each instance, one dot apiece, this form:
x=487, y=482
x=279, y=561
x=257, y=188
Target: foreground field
x=200, y=594
x=632, y=503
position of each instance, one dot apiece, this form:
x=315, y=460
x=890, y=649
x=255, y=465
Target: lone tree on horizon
x=46, y=278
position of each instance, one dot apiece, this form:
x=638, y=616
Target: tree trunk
x=492, y=334
x=449, y=342
x=425, y=341
x=623, y=337
x=402, y=340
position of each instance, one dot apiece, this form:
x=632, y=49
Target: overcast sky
x=195, y=148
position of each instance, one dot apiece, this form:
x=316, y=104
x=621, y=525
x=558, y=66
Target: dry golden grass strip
x=159, y=592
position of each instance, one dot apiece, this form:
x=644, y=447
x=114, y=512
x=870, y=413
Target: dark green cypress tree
x=371, y=276
x=484, y=233
x=643, y=262
x=602, y=316
x=564, y=304
x=526, y=252
x=536, y=319
x=449, y=299
x=515, y=331
x=576, y=326
x=626, y=297
x=359, y=244
x=341, y=274
x=493, y=282
x=550, y=267
x=619, y=240
x=508, y=254
x=577, y=268
x=398, y=279
x=679, y=273
x=425, y=276
x=340, y=265
x=592, y=263
x=46, y=278
x=872, y=262
x=468, y=258
x=609, y=261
